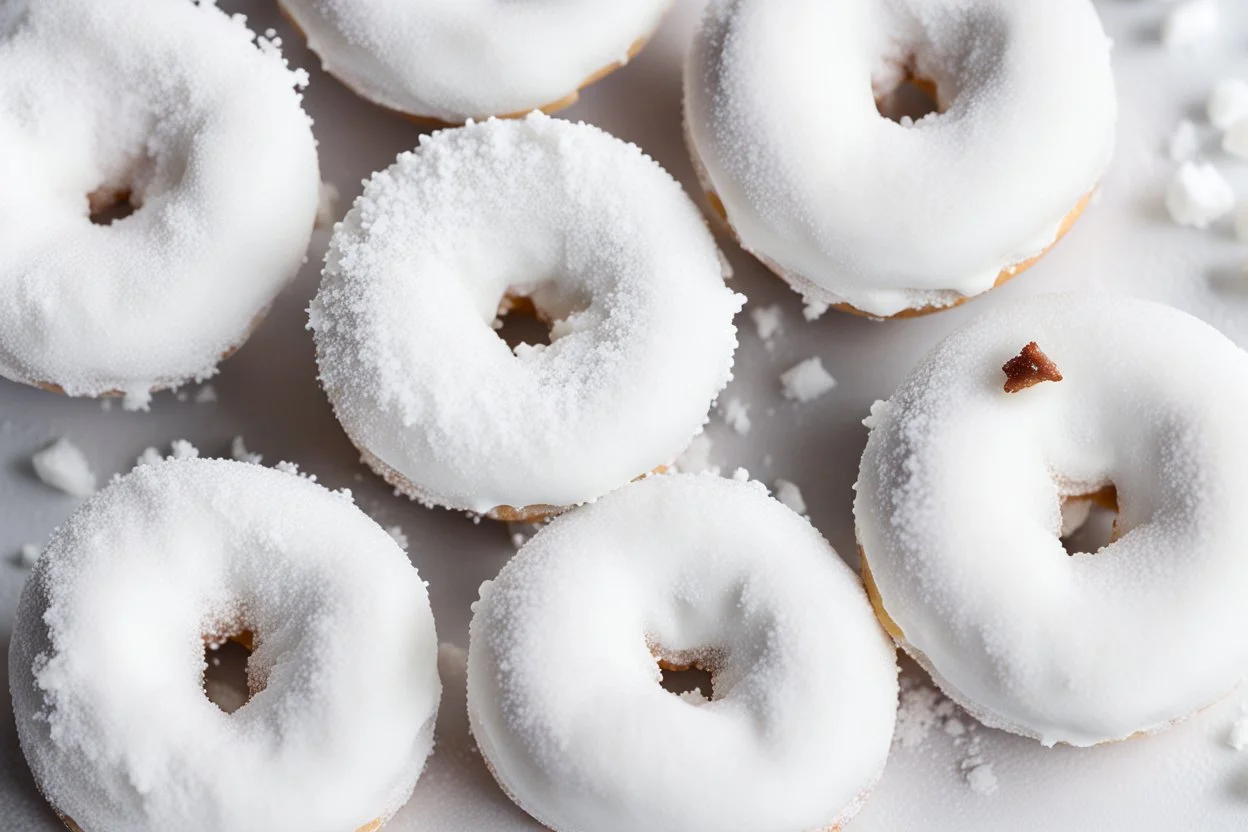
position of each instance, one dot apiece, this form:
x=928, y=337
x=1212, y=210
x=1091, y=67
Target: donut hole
x=225, y=675
x=1090, y=522
x=520, y=322
x=693, y=680
x=108, y=205
x=908, y=99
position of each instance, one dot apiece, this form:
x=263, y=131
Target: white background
x=1188, y=778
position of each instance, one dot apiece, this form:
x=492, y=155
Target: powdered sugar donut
x=958, y=515
x=599, y=240
x=171, y=106
x=889, y=218
x=107, y=661
x=680, y=570
x=456, y=61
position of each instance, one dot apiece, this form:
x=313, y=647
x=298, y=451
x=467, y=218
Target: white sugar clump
x=806, y=381
x=1228, y=103
x=790, y=495
x=398, y=536
x=1237, y=738
x=741, y=475
x=182, y=449
x=63, y=466
x=1235, y=141
x=1198, y=195
x=813, y=310
x=239, y=452
x=879, y=409
x=1184, y=142
x=327, y=205
x=697, y=457
x=736, y=415
x=768, y=322
x=28, y=554
x=150, y=456
x=206, y=395
x=982, y=779
x=1189, y=24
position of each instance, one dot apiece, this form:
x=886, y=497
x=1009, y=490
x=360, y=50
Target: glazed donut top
x=465, y=59
x=608, y=247
x=853, y=207
x=958, y=513
x=107, y=658
x=173, y=103
x=563, y=686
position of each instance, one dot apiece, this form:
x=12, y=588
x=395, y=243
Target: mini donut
x=589, y=232
x=172, y=107
x=885, y=218
x=1131, y=404
x=566, y=645
x=451, y=62
x=106, y=664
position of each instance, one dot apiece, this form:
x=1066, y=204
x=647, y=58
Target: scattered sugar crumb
x=206, y=394
x=879, y=409
x=517, y=539
x=396, y=532
x=287, y=467
x=916, y=715
x=327, y=205
x=813, y=310
x=768, y=322
x=790, y=495
x=140, y=399
x=741, y=475
x=150, y=456
x=955, y=727
x=63, y=466
x=806, y=381
x=28, y=555
x=697, y=457
x=1235, y=142
x=1198, y=195
x=1238, y=736
x=736, y=415
x=1189, y=24
x=1184, y=142
x=182, y=449
x=239, y=452
x=982, y=779
x=693, y=697
x=1228, y=103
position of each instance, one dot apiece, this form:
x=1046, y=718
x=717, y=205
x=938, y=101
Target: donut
x=674, y=571
x=171, y=110
x=897, y=218
x=959, y=513
x=585, y=230
x=451, y=62
x=107, y=660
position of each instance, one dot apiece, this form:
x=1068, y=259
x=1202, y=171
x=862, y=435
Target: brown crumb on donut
x=1029, y=368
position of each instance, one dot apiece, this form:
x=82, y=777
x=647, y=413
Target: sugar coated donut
x=893, y=218
x=107, y=661
x=602, y=243
x=564, y=694
x=171, y=107
x=959, y=515
x=460, y=60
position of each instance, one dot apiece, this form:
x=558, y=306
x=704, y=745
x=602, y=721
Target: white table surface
x=1187, y=778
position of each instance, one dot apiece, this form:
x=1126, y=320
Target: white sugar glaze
x=958, y=515
x=454, y=60
x=174, y=103
x=107, y=659
x=563, y=687
x=609, y=249
x=851, y=207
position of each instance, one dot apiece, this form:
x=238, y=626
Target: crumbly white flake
x=768, y=323
x=396, y=532
x=741, y=475
x=1198, y=195
x=137, y=399
x=790, y=495
x=879, y=409
x=736, y=415
x=1228, y=103
x=150, y=456
x=63, y=466
x=206, y=394
x=696, y=459
x=806, y=381
x=982, y=779
x=182, y=449
x=1184, y=142
x=239, y=452
x=1189, y=24
x=813, y=310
